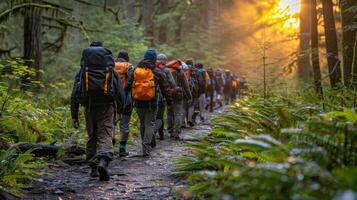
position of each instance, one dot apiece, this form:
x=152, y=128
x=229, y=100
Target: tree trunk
x=331, y=43
x=354, y=64
x=315, y=60
x=348, y=38
x=32, y=40
x=128, y=7
x=303, y=63
x=164, y=7
x=147, y=10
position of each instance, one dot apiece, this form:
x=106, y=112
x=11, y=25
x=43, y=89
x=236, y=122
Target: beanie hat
x=151, y=55
x=96, y=44
x=162, y=58
x=123, y=55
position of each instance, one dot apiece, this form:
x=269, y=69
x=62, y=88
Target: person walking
x=161, y=64
x=202, y=85
x=181, y=94
x=97, y=87
x=227, y=89
x=124, y=69
x=144, y=85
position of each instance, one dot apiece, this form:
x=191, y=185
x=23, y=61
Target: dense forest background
x=299, y=56
x=238, y=35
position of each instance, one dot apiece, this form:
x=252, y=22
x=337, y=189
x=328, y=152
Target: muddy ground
x=132, y=177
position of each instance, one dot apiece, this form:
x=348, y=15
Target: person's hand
x=75, y=123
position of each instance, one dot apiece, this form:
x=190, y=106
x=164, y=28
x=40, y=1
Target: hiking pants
x=190, y=111
x=170, y=119
x=124, y=127
x=227, y=98
x=202, y=104
x=159, y=124
x=100, y=128
x=179, y=116
x=147, y=118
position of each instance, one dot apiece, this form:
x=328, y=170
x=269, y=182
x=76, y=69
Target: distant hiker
x=202, y=84
x=181, y=94
x=211, y=89
x=186, y=70
x=220, y=82
x=227, y=90
x=98, y=88
x=242, y=86
x=144, y=84
x=161, y=64
x=194, y=88
x=234, y=87
x=124, y=69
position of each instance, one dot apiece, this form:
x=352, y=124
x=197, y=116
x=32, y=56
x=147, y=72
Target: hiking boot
x=153, y=142
x=94, y=171
x=176, y=137
x=161, y=135
x=103, y=170
x=123, y=152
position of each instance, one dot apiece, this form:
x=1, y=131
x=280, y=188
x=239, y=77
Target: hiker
x=124, y=69
x=242, y=86
x=227, y=90
x=220, y=82
x=202, y=84
x=97, y=87
x=211, y=89
x=194, y=88
x=144, y=84
x=234, y=87
x=181, y=94
x=186, y=70
x=161, y=64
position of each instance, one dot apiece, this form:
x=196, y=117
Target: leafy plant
x=277, y=148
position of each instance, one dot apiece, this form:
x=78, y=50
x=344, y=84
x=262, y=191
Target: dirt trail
x=131, y=178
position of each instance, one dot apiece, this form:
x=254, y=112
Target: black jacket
x=160, y=80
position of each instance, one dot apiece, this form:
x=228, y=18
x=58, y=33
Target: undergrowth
x=297, y=147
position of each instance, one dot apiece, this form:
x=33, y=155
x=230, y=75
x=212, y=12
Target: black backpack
x=98, y=80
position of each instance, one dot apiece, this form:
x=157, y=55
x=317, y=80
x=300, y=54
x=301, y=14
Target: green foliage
x=16, y=169
x=277, y=148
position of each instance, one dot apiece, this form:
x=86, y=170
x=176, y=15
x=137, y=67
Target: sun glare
x=290, y=8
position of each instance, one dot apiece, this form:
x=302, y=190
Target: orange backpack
x=122, y=69
x=144, y=84
x=234, y=84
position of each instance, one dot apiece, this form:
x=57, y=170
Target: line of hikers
x=110, y=88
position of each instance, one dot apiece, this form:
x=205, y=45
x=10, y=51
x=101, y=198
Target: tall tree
x=348, y=12
x=331, y=43
x=164, y=7
x=303, y=63
x=32, y=38
x=315, y=60
x=147, y=18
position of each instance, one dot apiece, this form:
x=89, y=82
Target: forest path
x=131, y=177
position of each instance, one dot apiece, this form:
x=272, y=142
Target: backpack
x=143, y=88
x=97, y=82
x=201, y=80
x=122, y=69
x=219, y=80
x=234, y=84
